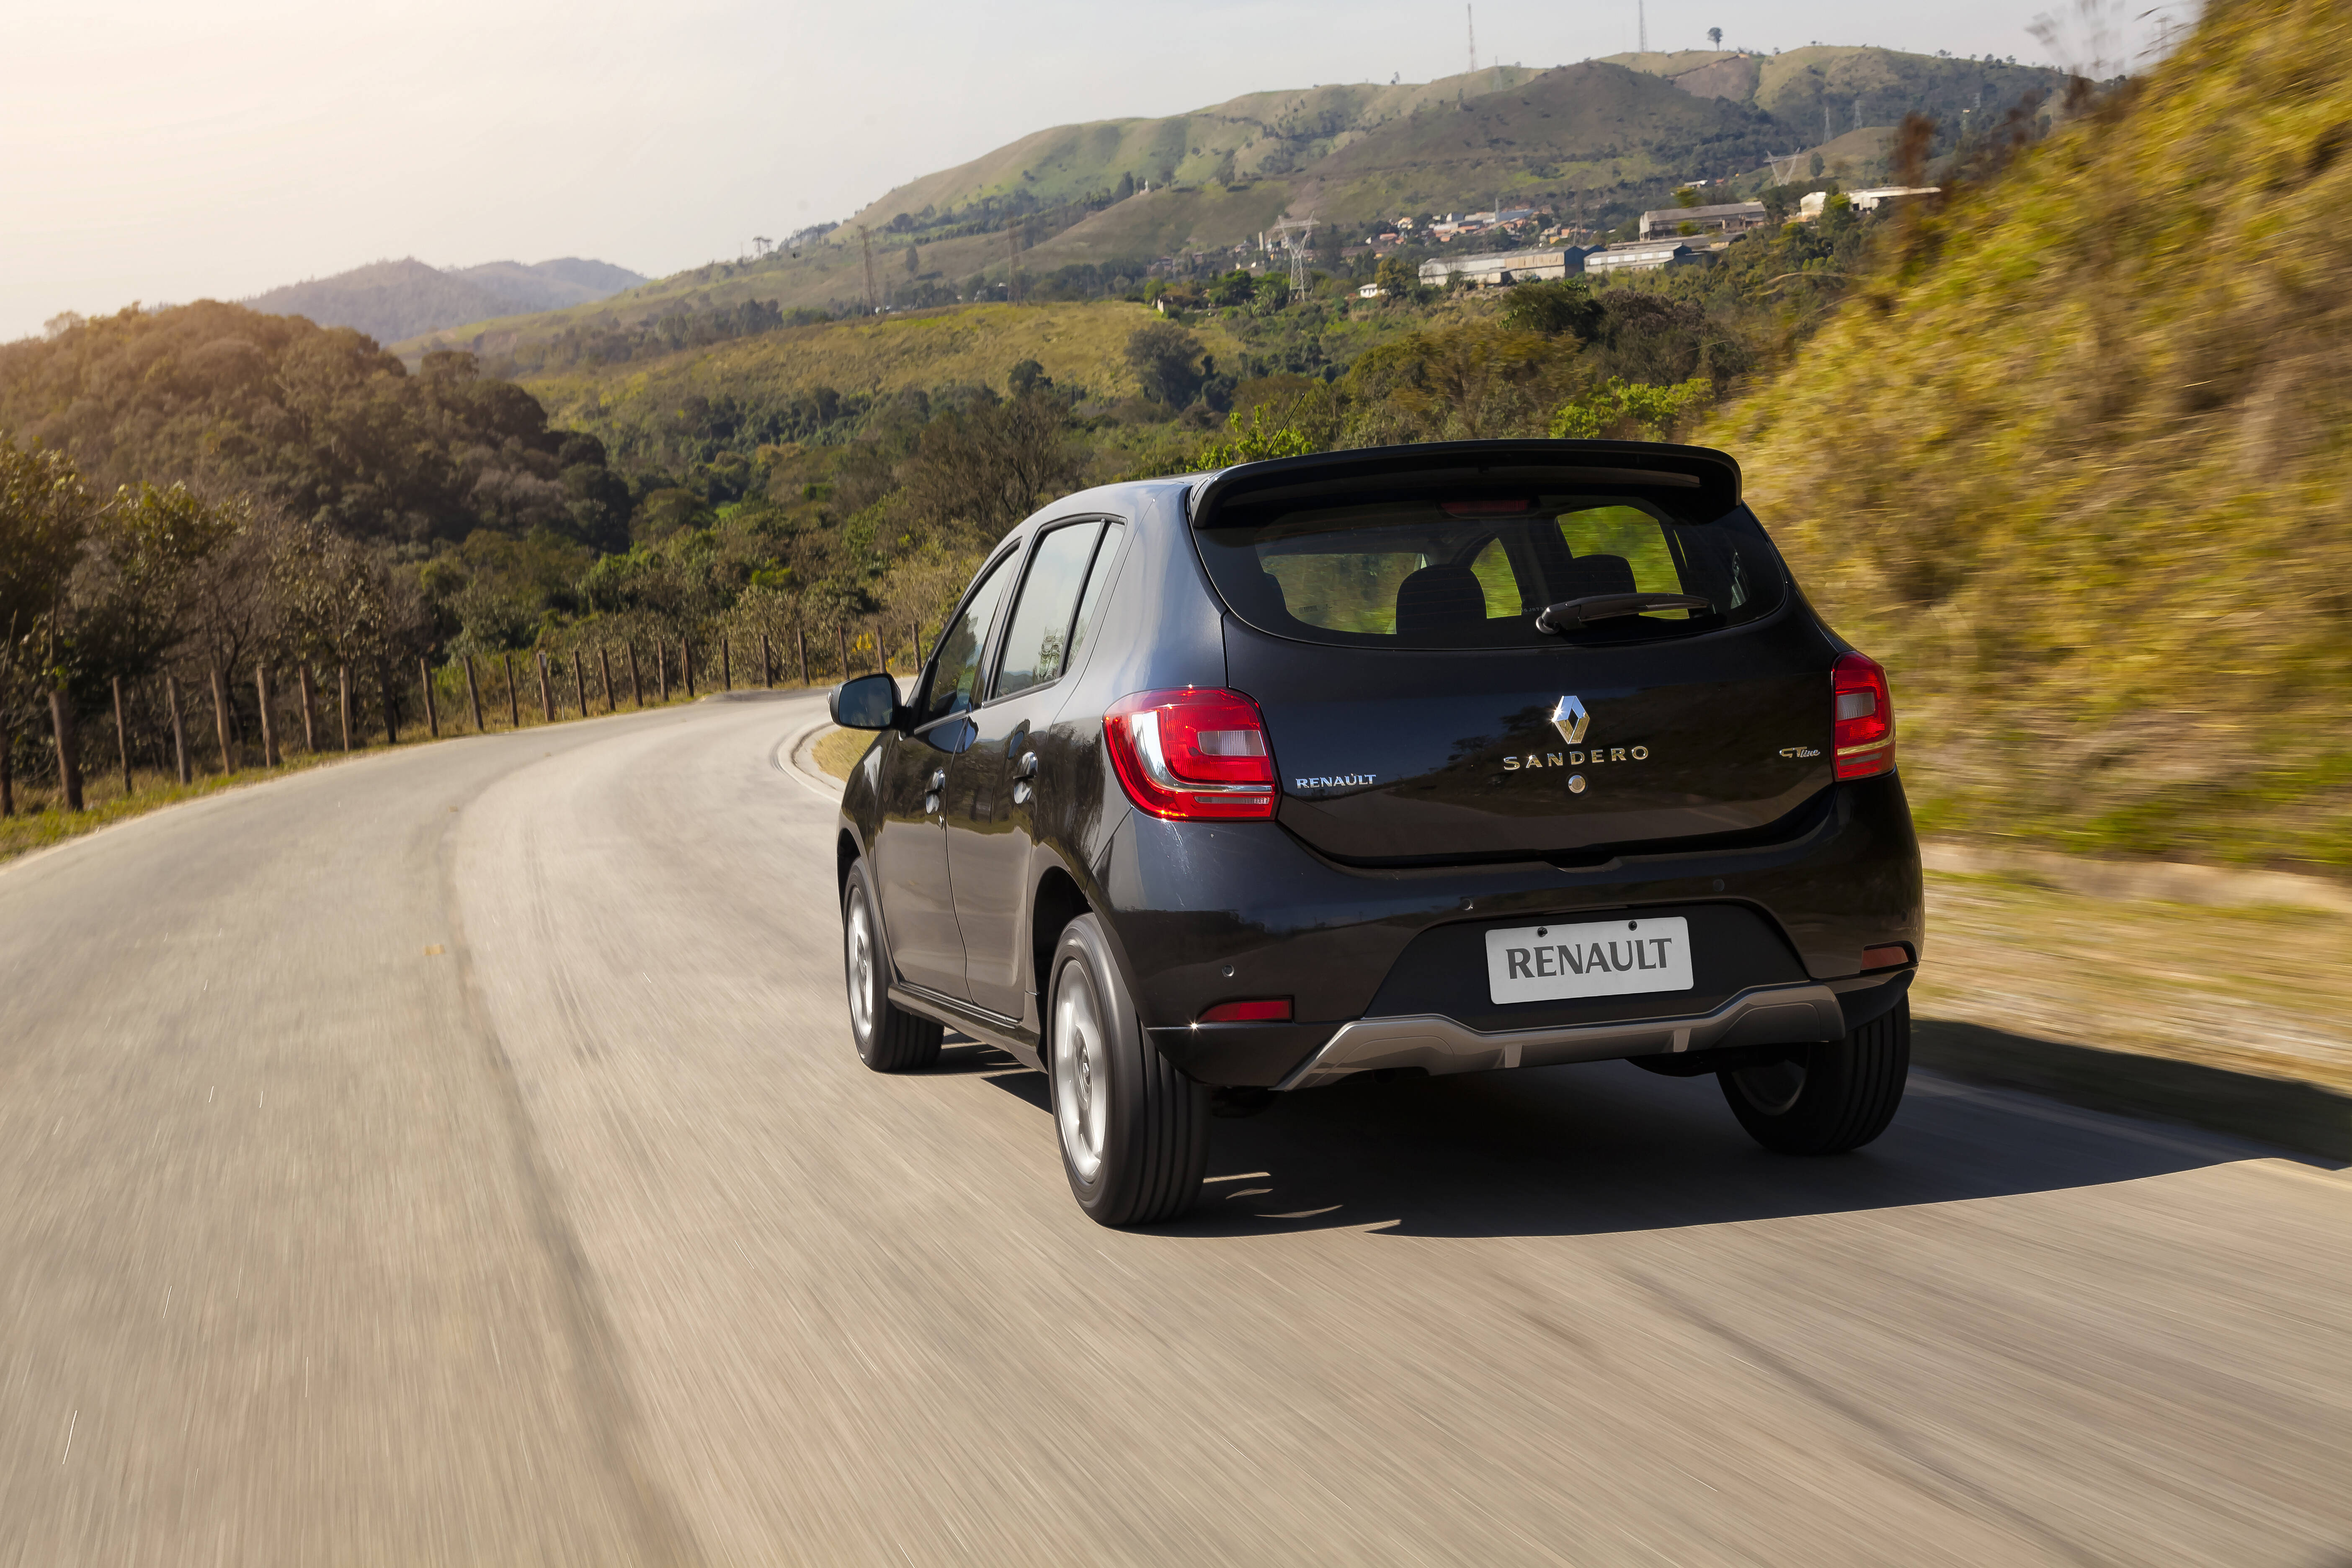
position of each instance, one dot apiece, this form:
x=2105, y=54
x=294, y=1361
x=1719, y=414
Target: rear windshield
x=1457, y=570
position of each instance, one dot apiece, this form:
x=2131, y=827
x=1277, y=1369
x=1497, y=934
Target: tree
x=46, y=513
x=1272, y=293
x=1715, y=37
x=988, y=467
x=914, y=260
x=1166, y=360
x=1236, y=288
x=1396, y=278
x=1026, y=377
x=1554, y=306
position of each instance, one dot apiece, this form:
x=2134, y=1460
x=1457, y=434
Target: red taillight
x=1197, y=753
x=1893, y=955
x=1275, y=1010
x=1865, y=718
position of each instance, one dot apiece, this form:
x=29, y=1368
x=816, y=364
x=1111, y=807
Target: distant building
x=1644, y=256
x=1730, y=217
x=1810, y=206
x=1504, y=266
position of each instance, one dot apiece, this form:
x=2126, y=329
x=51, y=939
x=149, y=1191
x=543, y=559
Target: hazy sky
x=172, y=150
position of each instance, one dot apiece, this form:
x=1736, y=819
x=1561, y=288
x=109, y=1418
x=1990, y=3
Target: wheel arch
x=1056, y=901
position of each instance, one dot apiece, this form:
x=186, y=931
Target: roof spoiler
x=1696, y=483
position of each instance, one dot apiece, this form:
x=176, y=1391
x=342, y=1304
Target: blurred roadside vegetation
x=2073, y=463
x=2058, y=446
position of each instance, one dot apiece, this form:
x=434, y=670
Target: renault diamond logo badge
x=1569, y=718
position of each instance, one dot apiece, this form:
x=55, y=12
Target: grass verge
x=837, y=750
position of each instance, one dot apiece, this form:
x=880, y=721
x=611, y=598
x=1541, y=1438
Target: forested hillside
x=2073, y=463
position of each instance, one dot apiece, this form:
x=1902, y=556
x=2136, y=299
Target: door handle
x=938, y=780
x=1026, y=768
x=930, y=806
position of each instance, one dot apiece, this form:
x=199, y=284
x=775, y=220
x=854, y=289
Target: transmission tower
x=1470, y=15
x=1641, y=27
x=1299, y=236
x=872, y=295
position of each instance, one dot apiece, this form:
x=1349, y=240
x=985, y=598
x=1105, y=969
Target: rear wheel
x=1831, y=1098
x=1134, y=1131
x=890, y=1038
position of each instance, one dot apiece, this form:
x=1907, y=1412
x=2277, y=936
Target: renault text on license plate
x=1596, y=958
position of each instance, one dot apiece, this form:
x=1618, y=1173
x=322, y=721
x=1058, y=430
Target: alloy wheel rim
x=1081, y=1094
x=860, y=943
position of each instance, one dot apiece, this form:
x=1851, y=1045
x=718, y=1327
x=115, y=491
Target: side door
x=910, y=848
x=992, y=784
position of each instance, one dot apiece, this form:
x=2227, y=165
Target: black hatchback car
x=1405, y=760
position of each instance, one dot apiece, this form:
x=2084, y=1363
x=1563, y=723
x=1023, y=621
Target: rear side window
x=1037, y=641
x=1462, y=569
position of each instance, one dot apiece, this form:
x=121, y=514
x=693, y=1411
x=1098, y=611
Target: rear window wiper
x=1570, y=614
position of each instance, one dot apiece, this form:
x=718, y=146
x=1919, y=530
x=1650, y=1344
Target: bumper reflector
x=1275, y=1010
x=1892, y=956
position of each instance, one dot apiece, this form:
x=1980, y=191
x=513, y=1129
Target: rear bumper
x=1434, y=1043
x=1204, y=913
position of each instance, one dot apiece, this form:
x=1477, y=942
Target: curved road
x=456, y=1156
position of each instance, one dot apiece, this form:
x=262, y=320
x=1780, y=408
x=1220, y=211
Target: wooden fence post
x=309, y=708
x=726, y=662
x=474, y=694
x=636, y=685
x=179, y=730
x=432, y=714
x=391, y=712
x=686, y=665
x=122, y=736
x=514, y=703
x=767, y=663
x=268, y=727
x=580, y=682
x=220, y=719
x=546, y=696
x=841, y=644
x=661, y=669
x=344, y=700
x=61, y=720
x=800, y=647
x=8, y=771
x=604, y=667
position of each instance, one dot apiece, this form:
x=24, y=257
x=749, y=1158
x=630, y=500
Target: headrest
x=1439, y=599
x=1591, y=574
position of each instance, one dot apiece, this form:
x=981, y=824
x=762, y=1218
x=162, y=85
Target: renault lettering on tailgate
x=1602, y=958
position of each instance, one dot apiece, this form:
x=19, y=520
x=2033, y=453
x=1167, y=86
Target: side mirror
x=868, y=702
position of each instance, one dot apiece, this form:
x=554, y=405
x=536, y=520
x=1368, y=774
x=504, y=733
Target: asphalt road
x=459, y=1156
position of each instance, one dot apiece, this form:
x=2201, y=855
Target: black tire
x=1134, y=1131
x=1832, y=1098
x=890, y=1038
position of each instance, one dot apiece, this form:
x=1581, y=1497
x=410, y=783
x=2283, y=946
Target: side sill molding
x=1005, y=1034
x=1763, y=1016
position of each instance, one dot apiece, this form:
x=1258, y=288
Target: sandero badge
x=1214, y=790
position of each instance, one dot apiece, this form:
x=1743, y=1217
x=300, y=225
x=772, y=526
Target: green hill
x=2073, y=464
x=1855, y=87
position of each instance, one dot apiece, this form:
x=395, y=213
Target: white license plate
x=1594, y=958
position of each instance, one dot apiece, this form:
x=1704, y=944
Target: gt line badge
x=1569, y=718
